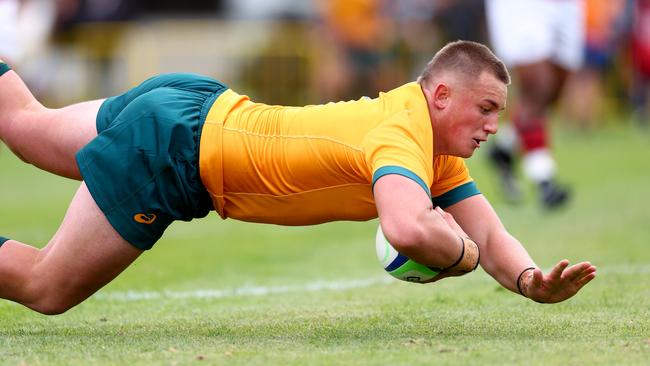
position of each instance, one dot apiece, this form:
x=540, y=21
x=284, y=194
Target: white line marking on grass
x=243, y=291
x=623, y=269
x=251, y=290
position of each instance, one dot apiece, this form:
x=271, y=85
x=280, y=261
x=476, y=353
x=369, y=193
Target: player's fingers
x=584, y=276
x=588, y=273
x=572, y=273
x=446, y=215
x=585, y=280
x=443, y=215
x=582, y=265
x=587, y=268
x=449, y=219
x=556, y=272
x=578, y=270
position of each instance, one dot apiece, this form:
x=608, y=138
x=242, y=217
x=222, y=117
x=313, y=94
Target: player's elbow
x=407, y=239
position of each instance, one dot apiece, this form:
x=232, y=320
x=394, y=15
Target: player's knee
x=52, y=304
x=49, y=307
x=51, y=299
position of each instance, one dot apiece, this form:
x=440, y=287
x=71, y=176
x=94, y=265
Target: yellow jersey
x=314, y=164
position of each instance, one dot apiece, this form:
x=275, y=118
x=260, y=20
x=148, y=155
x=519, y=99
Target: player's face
x=473, y=115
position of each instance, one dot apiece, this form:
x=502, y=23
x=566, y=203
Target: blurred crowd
x=319, y=50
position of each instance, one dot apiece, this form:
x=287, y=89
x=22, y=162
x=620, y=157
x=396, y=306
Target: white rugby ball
x=398, y=265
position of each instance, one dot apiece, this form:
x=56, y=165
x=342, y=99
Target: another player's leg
x=539, y=87
x=46, y=138
x=502, y=155
x=85, y=254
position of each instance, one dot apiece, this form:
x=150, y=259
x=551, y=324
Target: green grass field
x=231, y=293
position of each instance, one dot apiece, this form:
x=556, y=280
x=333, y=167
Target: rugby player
x=181, y=145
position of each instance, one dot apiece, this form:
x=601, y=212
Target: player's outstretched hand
x=561, y=283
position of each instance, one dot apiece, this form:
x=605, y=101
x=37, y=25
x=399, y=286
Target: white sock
x=538, y=165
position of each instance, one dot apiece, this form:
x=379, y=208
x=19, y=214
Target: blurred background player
x=641, y=61
x=461, y=19
x=594, y=91
x=8, y=29
x=25, y=28
x=542, y=42
x=362, y=48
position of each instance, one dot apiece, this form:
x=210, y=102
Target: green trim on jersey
x=393, y=169
x=3, y=240
x=456, y=195
x=3, y=68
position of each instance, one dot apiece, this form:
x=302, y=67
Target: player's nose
x=491, y=126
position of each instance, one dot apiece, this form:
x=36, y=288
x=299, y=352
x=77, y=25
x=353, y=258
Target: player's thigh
x=536, y=83
x=85, y=253
x=82, y=117
x=50, y=138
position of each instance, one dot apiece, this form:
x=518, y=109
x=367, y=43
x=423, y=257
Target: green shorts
x=143, y=167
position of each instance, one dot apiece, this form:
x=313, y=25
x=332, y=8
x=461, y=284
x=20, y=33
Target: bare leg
x=46, y=138
x=85, y=254
x=540, y=87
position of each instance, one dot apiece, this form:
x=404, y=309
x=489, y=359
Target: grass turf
x=264, y=302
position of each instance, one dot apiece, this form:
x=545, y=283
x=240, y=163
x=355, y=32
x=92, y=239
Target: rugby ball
x=398, y=265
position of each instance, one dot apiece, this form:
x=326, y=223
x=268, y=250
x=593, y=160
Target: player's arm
x=412, y=225
x=505, y=259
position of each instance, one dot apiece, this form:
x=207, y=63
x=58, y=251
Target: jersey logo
x=145, y=218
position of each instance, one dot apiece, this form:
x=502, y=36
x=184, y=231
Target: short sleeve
x=399, y=146
x=453, y=182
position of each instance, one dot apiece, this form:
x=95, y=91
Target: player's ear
x=440, y=95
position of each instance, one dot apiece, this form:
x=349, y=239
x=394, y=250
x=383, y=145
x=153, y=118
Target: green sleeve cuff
x=456, y=195
x=393, y=169
x=4, y=68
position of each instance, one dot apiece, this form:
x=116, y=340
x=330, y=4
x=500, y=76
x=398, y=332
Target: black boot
x=553, y=195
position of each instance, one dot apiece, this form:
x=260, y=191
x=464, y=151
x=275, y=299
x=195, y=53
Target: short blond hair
x=465, y=58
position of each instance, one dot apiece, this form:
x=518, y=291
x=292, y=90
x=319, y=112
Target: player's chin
x=464, y=151
x=467, y=153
